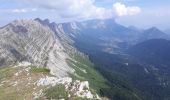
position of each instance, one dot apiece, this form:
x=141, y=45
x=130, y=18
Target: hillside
x=36, y=59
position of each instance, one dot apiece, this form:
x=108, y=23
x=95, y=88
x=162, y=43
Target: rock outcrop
x=77, y=88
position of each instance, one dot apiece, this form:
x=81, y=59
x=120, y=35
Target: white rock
x=37, y=95
x=1, y=84
x=53, y=81
x=16, y=74
x=89, y=95
x=15, y=83
x=84, y=85
x=27, y=69
x=24, y=64
x=81, y=89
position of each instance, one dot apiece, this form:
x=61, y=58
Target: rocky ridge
x=31, y=41
x=26, y=44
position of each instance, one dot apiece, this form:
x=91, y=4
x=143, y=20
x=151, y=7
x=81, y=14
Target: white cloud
x=71, y=8
x=19, y=10
x=23, y=10
x=81, y=9
x=122, y=10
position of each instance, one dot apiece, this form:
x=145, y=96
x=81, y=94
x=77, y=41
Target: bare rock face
x=29, y=40
x=77, y=88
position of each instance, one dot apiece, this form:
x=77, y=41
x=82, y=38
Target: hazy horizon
x=139, y=13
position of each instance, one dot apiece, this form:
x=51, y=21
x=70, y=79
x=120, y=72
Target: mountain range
x=120, y=63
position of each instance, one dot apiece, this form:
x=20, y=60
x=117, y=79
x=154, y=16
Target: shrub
x=56, y=92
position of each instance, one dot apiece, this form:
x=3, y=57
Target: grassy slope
x=85, y=71
x=21, y=86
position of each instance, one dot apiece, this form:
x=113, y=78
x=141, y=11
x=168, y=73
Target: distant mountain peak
x=38, y=19
x=43, y=22
x=153, y=29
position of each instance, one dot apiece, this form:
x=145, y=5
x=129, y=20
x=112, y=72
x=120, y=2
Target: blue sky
x=140, y=13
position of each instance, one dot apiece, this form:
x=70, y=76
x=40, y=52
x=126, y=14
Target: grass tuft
x=40, y=70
